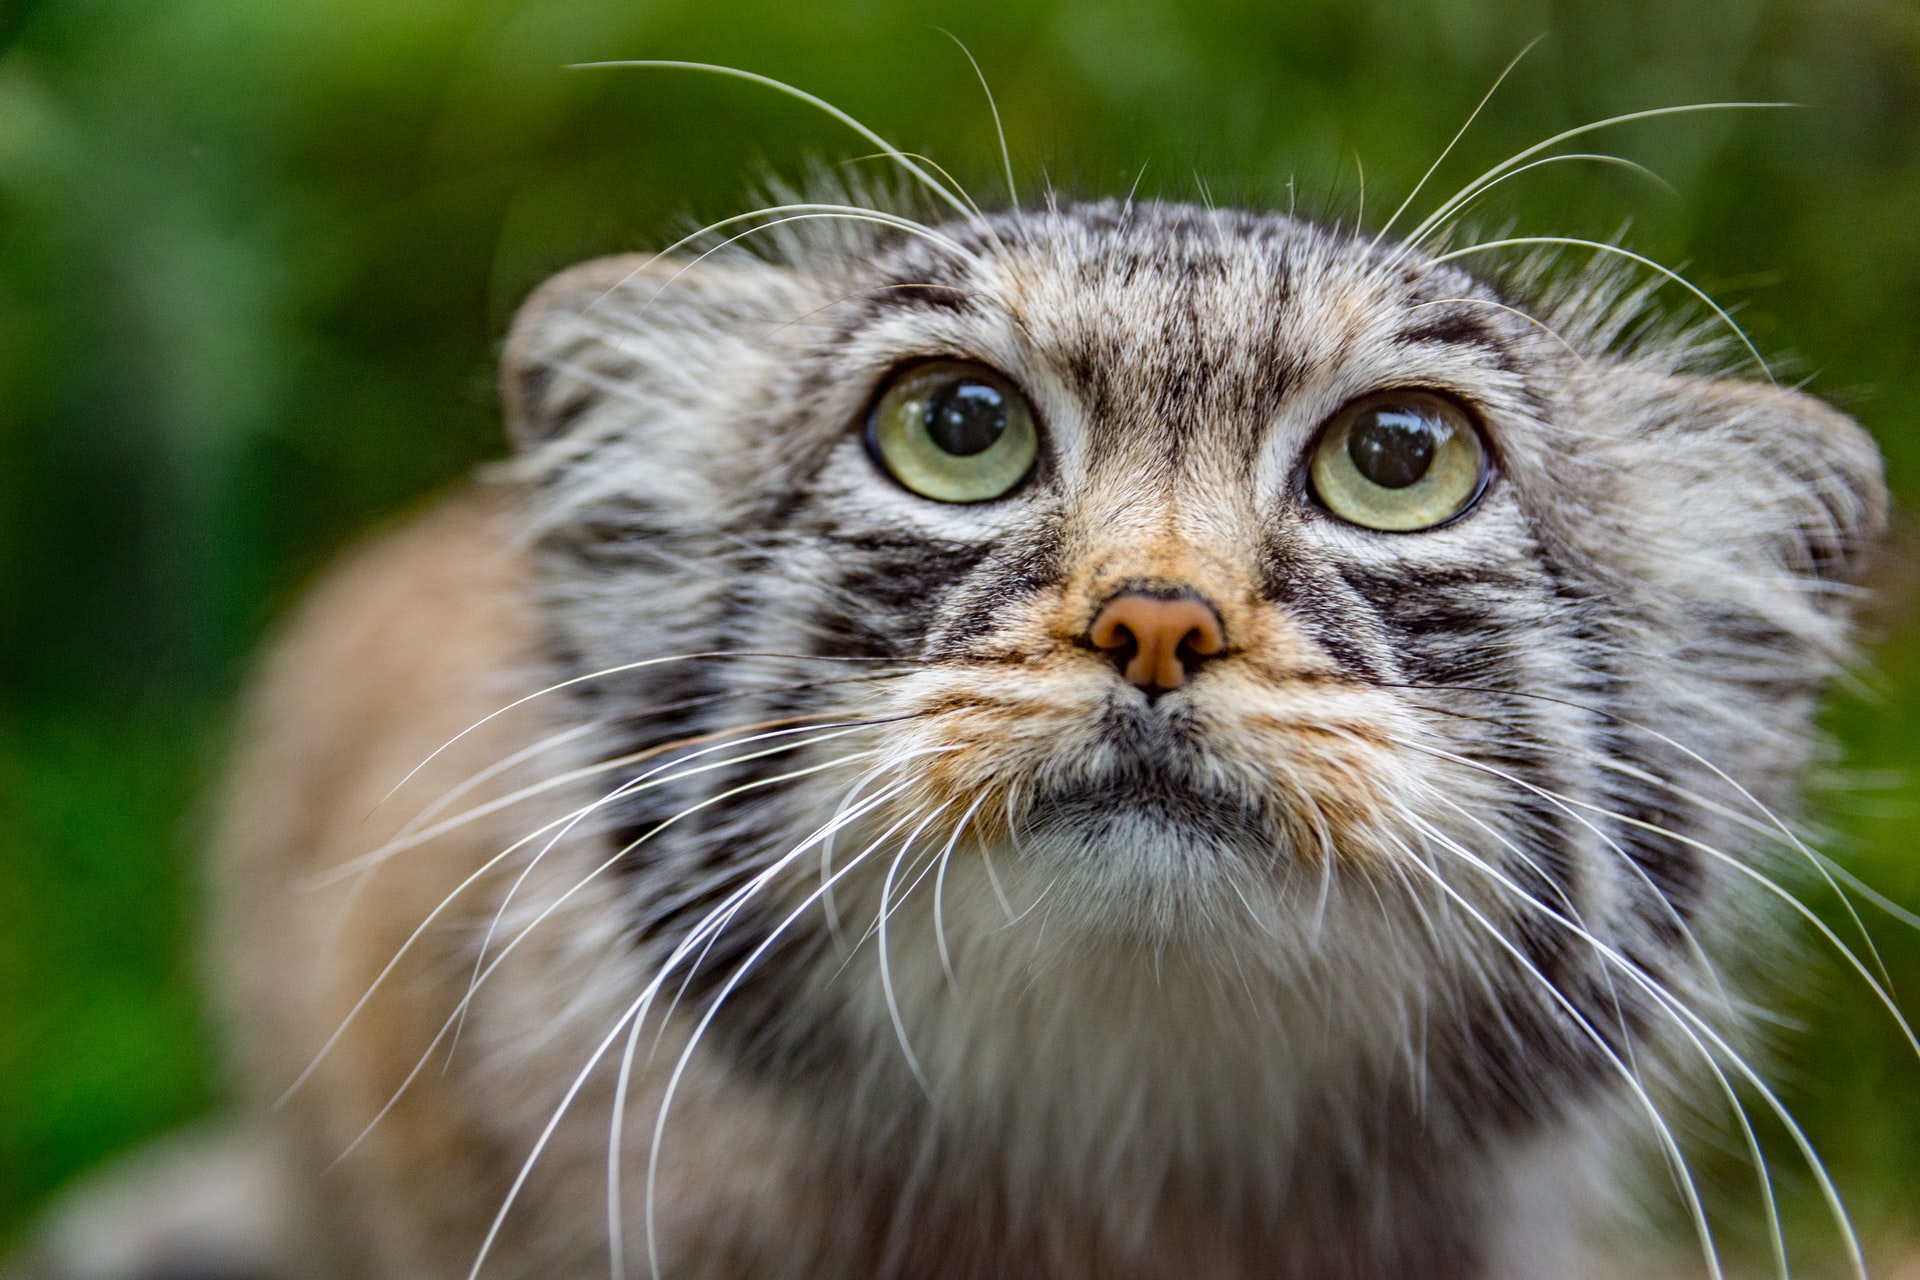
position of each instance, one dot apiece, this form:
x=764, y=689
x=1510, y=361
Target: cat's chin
x=1148, y=842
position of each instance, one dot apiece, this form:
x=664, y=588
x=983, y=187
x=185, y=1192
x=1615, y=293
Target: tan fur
x=418, y=637
x=400, y=650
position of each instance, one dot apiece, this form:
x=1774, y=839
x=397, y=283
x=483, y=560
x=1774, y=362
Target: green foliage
x=255, y=259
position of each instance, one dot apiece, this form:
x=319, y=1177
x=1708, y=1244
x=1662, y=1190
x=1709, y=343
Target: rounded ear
x=1766, y=477
x=636, y=330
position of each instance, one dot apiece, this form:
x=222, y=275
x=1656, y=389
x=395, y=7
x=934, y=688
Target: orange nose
x=1158, y=641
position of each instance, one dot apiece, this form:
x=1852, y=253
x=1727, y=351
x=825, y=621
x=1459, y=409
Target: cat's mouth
x=1147, y=782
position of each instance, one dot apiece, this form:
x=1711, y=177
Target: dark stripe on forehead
x=923, y=295
x=1451, y=328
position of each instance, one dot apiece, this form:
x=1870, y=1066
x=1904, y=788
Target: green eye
x=954, y=432
x=1399, y=461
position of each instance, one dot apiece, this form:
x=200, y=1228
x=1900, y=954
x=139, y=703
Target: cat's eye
x=1399, y=461
x=954, y=432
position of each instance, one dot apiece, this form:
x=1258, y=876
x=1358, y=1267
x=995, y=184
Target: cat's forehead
x=1143, y=330
x=1190, y=307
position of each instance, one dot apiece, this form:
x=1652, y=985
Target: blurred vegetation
x=255, y=258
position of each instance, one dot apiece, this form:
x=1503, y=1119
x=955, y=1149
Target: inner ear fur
x=634, y=327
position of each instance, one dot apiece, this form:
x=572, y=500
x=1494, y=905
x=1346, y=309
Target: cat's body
x=1338, y=949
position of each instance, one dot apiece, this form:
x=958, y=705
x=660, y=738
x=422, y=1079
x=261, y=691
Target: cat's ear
x=1766, y=478
x=639, y=330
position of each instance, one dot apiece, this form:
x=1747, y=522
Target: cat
x=1114, y=739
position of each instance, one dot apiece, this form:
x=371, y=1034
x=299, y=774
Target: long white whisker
x=1800, y=908
x=630, y=787
x=398, y=844
x=1006, y=157
x=886, y=968
x=822, y=104
x=1772, y=819
x=453, y=1017
x=849, y=213
x=1542, y=325
x=711, y=925
x=602, y=674
x=1467, y=192
x=1692, y=1023
x=1454, y=142
x=1664, y=1133
x=739, y=973
x=1755, y=1157
x=1601, y=247
x=1420, y=234
x=469, y=881
x=940, y=889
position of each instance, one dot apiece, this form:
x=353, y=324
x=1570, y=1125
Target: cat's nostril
x=1158, y=641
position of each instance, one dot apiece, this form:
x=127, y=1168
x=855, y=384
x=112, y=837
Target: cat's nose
x=1158, y=639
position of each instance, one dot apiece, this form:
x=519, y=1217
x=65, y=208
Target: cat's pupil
x=1392, y=447
x=965, y=418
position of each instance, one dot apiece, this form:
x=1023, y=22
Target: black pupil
x=1393, y=447
x=965, y=418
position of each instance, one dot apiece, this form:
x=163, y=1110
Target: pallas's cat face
x=1155, y=604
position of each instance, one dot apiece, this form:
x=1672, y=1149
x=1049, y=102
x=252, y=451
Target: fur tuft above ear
x=633, y=329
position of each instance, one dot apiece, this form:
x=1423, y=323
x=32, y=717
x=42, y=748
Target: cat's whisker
x=1573, y=920
x=1602, y=247
x=1779, y=828
x=1766, y=882
x=362, y=863
x=618, y=669
x=1585, y=365
x=1695, y=948
x=843, y=299
x=460, y=1007
x=1451, y=143
x=631, y=846
x=1423, y=235
x=919, y=174
x=1471, y=189
x=993, y=879
x=363, y=873
x=790, y=214
x=829, y=906
x=940, y=893
x=1669, y=1144
x=643, y=782
x=1697, y=1030
x=886, y=966
x=1704, y=965
x=993, y=108
x=717, y=919
x=480, y=872
x=934, y=165
x=481, y=777
x=720, y=998
x=1626, y=857
x=710, y=926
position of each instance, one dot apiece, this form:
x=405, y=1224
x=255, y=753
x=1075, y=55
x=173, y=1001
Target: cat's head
x=1213, y=575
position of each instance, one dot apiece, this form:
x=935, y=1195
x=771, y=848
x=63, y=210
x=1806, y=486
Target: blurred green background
x=256, y=257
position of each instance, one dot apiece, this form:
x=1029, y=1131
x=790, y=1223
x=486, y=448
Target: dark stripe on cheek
x=1334, y=623
x=984, y=605
x=905, y=576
